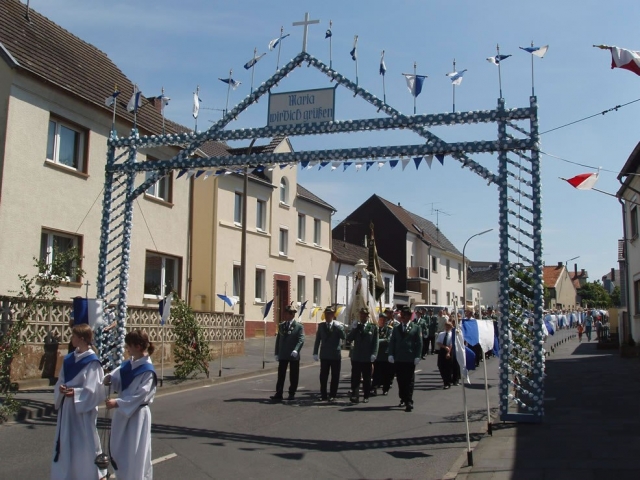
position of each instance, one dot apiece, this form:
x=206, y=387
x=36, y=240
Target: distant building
x=483, y=277
x=562, y=292
x=611, y=280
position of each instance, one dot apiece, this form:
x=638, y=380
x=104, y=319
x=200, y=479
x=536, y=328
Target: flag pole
x=113, y=120
x=454, y=88
x=162, y=108
x=162, y=359
x=499, y=69
x=279, y=46
x=384, y=90
x=330, y=45
x=532, y=89
x=486, y=391
x=198, y=96
x=466, y=420
x=135, y=106
x=226, y=108
x=264, y=344
x=415, y=80
x=356, y=53
x=253, y=67
x=224, y=315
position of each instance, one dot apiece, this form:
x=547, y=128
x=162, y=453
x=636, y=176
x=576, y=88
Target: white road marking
x=162, y=459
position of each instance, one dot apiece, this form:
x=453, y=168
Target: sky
x=181, y=45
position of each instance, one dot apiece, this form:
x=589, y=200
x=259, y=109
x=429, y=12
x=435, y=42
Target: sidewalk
x=38, y=402
x=591, y=427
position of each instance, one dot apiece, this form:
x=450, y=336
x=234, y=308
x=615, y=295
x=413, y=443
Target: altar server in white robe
x=77, y=393
x=135, y=381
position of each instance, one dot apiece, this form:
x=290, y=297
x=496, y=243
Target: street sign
x=302, y=107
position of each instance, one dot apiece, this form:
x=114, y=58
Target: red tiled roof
x=550, y=275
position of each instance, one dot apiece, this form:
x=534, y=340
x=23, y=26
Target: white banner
x=302, y=107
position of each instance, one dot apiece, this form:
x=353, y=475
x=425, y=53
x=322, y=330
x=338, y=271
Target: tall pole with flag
x=111, y=101
x=329, y=34
x=383, y=71
x=354, y=55
x=538, y=52
x=267, y=308
x=453, y=85
x=196, y=106
x=134, y=104
x=251, y=64
x=279, y=47
x=226, y=108
x=499, y=68
x=165, y=311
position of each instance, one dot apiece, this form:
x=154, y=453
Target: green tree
x=191, y=350
x=36, y=292
x=593, y=294
x=616, y=297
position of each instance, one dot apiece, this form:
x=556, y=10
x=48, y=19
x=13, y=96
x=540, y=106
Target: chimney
x=582, y=272
x=156, y=103
x=575, y=269
x=560, y=264
x=613, y=274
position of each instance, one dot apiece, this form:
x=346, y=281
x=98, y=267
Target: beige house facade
x=288, y=244
x=562, y=292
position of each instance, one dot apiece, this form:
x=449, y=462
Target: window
x=634, y=221
x=237, y=209
x=434, y=264
x=448, y=263
x=237, y=275
x=301, y=292
x=317, y=291
x=302, y=220
x=260, y=284
x=434, y=297
x=284, y=190
x=66, y=145
x=317, y=231
x=448, y=298
x=284, y=240
x=54, y=243
x=161, y=274
x=459, y=272
x=387, y=290
x=161, y=189
x=261, y=215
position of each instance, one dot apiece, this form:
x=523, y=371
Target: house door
x=281, y=297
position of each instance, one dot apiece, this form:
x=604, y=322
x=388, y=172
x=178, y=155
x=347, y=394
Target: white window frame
x=163, y=274
x=302, y=227
x=434, y=265
x=236, y=278
x=47, y=251
x=284, y=191
x=260, y=284
x=161, y=189
x=283, y=242
x=302, y=288
x=237, y=208
x=79, y=148
x=261, y=215
x=317, y=291
x=448, y=268
x=317, y=231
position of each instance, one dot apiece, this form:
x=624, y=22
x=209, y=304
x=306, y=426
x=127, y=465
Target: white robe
x=131, y=426
x=76, y=425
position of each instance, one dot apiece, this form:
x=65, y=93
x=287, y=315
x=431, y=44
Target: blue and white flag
x=383, y=66
x=274, y=43
x=479, y=332
x=196, y=104
x=253, y=61
x=414, y=82
x=464, y=355
x=302, y=307
x=354, y=50
x=497, y=59
x=164, y=101
x=328, y=33
x=456, y=77
x=135, y=101
x=266, y=309
x=537, y=51
x=231, y=301
x=230, y=81
x=164, y=307
x=110, y=100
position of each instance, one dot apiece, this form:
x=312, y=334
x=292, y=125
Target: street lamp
x=464, y=268
x=567, y=261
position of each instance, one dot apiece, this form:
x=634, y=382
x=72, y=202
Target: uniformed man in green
x=405, y=349
x=382, y=369
x=289, y=341
x=420, y=320
x=432, y=331
x=364, y=335
x=328, y=349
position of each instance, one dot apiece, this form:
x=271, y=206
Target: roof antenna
x=26, y=15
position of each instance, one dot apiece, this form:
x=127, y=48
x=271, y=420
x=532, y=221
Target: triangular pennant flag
x=359, y=166
x=346, y=165
x=334, y=165
x=380, y=165
x=584, y=181
x=322, y=165
x=393, y=163
x=537, y=51
x=266, y=309
x=220, y=171
x=417, y=160
x=302, y=307
x=231, y=301
x=190, y=174
x=369, y=165
x=207, y=174
x=164, y=307
x=497, y=59
x=304, y=163
x=282, y=165
x=429, y=160
x=405, y=162
x=440, y=158
x=181, y=172
x=199, y=173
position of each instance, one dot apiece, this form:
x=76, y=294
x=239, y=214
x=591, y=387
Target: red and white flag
x=623, y=58
x=584, y=181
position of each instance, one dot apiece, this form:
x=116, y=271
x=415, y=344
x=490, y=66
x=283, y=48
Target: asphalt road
x=231, y=430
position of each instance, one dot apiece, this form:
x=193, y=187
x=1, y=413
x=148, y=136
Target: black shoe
x=408, y=408
x=323, y=399
x=292, y=396
x=276, y=398
x=456, y=384
x=422, y=357
x=446, y=387
x=332, y=400
x=353, y=399
x=365, y=400
x=374, y=392
x=401, y=404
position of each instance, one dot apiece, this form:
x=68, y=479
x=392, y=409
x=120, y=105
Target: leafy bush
x=191, y=350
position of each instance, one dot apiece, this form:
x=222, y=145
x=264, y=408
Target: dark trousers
x=405, y=373
x=360, y=369
x=325, y=367
x=456, y=371
x=429, y=341
x=445, y=365
x=477, y=349
x=382, y=375
x=294, y=375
